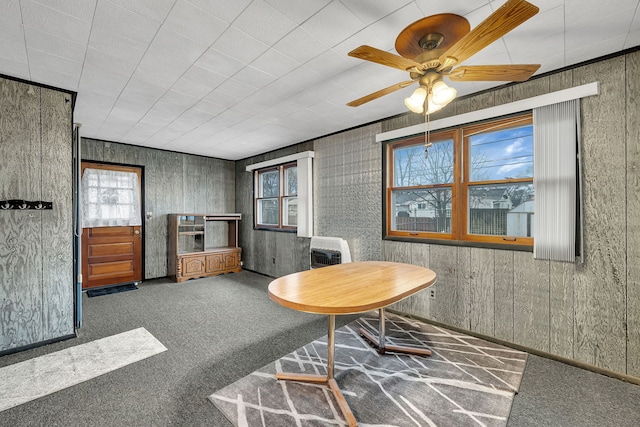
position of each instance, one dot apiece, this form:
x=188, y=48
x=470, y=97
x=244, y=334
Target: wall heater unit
x=325, y=251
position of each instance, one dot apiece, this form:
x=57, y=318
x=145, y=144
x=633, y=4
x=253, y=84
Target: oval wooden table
x=349, y=288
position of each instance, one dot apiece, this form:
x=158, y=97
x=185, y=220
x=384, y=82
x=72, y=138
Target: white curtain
x=110, y=198
x=555, y=152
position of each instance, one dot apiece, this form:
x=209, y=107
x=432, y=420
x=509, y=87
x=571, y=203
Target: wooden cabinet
x=203, y=245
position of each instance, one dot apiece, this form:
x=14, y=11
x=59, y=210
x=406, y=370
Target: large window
x=276, y=197
x=474, y=184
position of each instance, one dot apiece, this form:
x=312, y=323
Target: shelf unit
x=202, y=245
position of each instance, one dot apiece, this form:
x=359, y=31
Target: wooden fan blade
x=372, y=54
x=506, y=18
x=496, y=73
x=378, y=94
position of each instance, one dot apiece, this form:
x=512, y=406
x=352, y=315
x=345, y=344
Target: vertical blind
x=555, y=154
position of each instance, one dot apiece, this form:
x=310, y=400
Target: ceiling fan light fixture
x=443, y=94
x=432, y=107
x=415, y=102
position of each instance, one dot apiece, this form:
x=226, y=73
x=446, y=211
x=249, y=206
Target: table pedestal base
x=380, y=345
x=328, y=379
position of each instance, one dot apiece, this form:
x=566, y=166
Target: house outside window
x=276, y=197
x=474, y=184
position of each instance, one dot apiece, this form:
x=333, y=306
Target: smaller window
x=276, y=201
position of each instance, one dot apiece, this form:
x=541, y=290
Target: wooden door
x=112, y=255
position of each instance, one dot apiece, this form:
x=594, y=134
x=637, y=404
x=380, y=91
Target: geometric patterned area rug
x=466, y=381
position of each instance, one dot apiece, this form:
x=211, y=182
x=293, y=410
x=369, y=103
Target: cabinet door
x=230, y=261
x=192, y=266
x=214, y=263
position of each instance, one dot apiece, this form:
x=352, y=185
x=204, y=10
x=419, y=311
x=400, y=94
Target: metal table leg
x=382, y=347
x=328, y=379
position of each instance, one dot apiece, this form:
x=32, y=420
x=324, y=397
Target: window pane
x=501, y=210
x=268, y=212
x=291, y=180
x=290, y=209
x=502, y=154
x=422, y=210
x=269, y=184
x=412, y=167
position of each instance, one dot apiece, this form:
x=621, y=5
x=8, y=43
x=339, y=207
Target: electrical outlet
x=432, y=293
x=273, y=260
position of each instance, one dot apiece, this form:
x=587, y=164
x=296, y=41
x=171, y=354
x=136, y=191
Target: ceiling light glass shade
x=432, y=107
x=415, y=102
x=442, y=94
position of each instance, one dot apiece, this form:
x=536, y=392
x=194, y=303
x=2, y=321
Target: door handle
x=136, y=231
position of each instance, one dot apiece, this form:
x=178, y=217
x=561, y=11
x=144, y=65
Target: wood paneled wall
x=586, y=312
x=36, y=247
x=173, y=183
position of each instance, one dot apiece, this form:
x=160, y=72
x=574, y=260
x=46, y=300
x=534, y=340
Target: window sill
x=463, y=243
x=281, y=230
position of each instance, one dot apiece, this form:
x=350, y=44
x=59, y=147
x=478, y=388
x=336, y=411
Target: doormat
x=467, y=381
x=111, y=290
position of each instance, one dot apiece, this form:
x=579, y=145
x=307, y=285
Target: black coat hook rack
x=25, y=204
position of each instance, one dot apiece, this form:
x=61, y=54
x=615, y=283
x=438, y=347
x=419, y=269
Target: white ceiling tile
x=103, y=71
x=193, y=22
x=219, y=63
x=633, y=39
x=390, y=26
x=592, y=32
x=10, y=11
x=38, y=58
x=169, y=56
x=459, y=7
x=190, y=119
x=264, y=22
x=236, y=88
x=543, y=26
x=191, y=88
x=367, y=36
x=275, y=63
x=203, y=76
x=155, y=10
x=187, y=101
x=239, y=45
x=54, y=78
x=254, y=77
x=370, y=12
x=112, y=20
x=227, y=10
x=298, y=11
x=209, y=107
x=53, y=45
x=333, y=24
x=597, y=48
x=142, y=92
x=13, y=68
x=11, y=31
x=163, y=112
x=221, y=98
x=330, y=63
x=300, y=46
x=54, y=22
x=13, y=51
x=81, y=9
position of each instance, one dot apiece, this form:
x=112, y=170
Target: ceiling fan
x=431, y=47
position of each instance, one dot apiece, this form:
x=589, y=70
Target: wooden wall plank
x=633, y=213
x=448, y=307
x=503, y=295
x=531, y=301
x=57, y=224
x=561, y=80
x=530, y=88
x=482, y=291
x=91, y=149
x=601, y=338
x=464, y=287
x=561, y=303
x=503, y=95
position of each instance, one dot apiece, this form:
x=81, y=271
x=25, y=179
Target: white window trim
x=304, y=162
x=577, y=92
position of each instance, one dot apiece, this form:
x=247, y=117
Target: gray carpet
x=465, y=382
x=220, y=329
